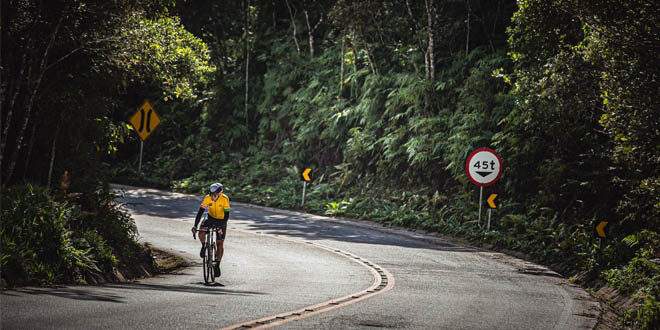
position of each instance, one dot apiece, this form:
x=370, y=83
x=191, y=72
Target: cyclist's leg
x=211, y=257
x=202, y=239
x=221, y=239
x=218, y=255
x=221, y=248
x=202, y=235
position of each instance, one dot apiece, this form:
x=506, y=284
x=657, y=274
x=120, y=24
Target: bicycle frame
x=210, y=258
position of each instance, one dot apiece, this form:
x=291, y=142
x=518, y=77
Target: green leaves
x=583, y=78
x=47, y=242
x=163, y=51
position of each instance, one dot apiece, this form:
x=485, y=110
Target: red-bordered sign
x=484, y=167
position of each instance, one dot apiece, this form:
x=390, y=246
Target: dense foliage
x=383, y=99
x=67, y=68
x=46, y=241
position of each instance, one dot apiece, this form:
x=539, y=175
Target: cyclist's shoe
x=216, y=269
x=202, y=251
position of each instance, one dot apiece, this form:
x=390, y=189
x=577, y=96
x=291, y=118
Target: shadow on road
x=117, y=293
x=195, y=288
x=173, y=205
x=303, y=228
x=82, y=293
x=157, y=203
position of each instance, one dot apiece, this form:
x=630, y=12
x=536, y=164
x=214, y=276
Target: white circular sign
x=484, y=167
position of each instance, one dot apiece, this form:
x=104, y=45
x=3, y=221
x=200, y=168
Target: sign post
x=484, y=168
x=491, y=204
x=144, y=121
x=140, y=163
x=481, y=198
x=305, y=177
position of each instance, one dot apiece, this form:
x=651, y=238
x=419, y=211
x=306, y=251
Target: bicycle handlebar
x=208, y=230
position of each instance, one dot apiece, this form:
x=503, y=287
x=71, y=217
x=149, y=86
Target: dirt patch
x=167, y=262
x=613, y=305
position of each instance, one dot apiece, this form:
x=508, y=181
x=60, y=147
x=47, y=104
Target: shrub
x=37, y=244
x=45, y=241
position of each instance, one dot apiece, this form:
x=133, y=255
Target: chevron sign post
x=305, y=178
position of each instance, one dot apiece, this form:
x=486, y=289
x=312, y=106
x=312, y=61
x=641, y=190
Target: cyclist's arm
x=199, y=216
x=226, y=208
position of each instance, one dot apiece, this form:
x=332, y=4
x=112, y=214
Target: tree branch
x=295, y=30
x=86, y=46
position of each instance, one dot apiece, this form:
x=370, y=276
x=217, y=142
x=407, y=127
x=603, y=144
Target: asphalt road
x=309, y=272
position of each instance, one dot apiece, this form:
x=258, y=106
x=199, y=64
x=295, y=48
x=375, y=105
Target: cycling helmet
x=216, y=187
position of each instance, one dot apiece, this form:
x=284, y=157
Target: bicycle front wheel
x=210, y=256
x=206, y=270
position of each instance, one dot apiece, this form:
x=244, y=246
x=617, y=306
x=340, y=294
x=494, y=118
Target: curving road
x=301, y=271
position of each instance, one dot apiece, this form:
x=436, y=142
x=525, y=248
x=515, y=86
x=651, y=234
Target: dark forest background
x=384, y=100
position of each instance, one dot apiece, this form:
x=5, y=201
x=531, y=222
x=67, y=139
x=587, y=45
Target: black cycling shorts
x=213, y=222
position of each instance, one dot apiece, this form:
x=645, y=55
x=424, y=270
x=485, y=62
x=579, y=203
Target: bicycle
x=210, y=257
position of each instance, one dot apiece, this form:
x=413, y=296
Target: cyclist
x=218, y=205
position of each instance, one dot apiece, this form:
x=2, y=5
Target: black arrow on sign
x=484, y=174
x=149, y=120
x=141, y=120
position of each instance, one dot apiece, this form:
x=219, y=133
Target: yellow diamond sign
x=145, y=120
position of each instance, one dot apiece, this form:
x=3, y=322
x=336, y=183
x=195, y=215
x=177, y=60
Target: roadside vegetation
x=67, y=67
x=47, y=240
x=385, y=114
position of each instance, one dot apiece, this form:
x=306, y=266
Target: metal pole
x=140, y=164
x=481, y=196
x=489, y=212
x=303, y=197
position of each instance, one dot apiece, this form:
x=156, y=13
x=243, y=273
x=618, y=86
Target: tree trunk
x=355, y=56
x=295, y=30
x=220, y=49
x=273, y=14
x=430, y=13
x=30, y=147
x=419, y=41
x=2, y=101
x=30, y=104
x=355, y=60
x=219, y=44
x=247, y=60
x=52, y=156
x=372, y=62
x=467, y=42
x=310, y=32
x=341, y=72
x=10, y=111
x=487, y=33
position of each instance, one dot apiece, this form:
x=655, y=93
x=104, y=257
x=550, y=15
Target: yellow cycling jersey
x=218, y=207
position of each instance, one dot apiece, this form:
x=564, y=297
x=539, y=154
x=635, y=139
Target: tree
x=69, y=63
x=622, y=40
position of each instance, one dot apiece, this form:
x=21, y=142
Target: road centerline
x=383, y=282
